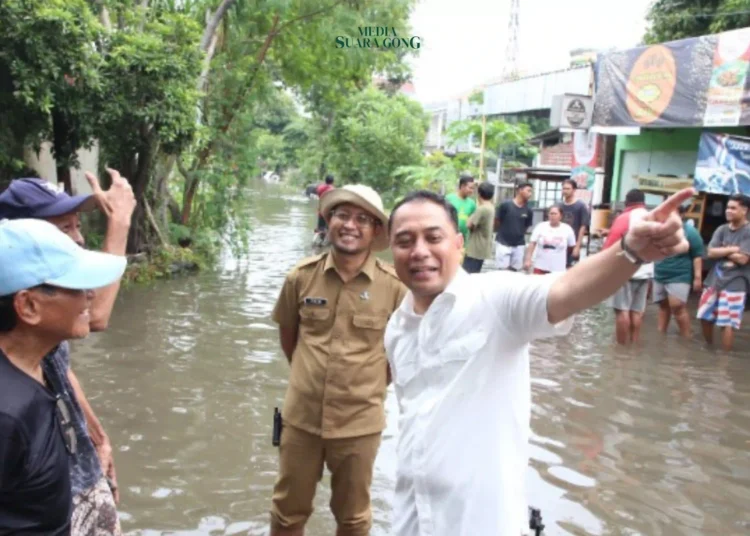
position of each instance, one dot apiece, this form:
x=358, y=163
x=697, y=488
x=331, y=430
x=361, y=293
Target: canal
x=651, y=440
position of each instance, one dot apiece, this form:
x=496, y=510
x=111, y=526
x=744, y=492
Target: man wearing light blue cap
x=92, y=473
x=45, y=297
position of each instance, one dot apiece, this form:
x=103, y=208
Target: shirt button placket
x=424, y=512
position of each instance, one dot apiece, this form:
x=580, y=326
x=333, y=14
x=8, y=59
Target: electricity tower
x=510, y=69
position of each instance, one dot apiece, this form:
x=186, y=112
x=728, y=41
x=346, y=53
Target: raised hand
x=657, y=234
x=119, y=202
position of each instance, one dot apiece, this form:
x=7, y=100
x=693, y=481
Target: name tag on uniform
x=315, y=301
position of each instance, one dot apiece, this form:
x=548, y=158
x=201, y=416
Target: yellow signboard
x=666, y=185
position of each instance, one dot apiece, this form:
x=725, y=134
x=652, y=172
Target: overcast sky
x=464, y=41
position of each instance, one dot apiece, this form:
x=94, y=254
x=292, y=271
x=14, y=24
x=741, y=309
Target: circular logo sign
x=651, y=84
x=575, y=113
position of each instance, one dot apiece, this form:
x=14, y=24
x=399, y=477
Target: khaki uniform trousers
x=350, y=461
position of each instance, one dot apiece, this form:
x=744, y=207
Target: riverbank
x=164, y=263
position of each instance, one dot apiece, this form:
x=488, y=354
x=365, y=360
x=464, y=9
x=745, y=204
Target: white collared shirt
x=461, y=374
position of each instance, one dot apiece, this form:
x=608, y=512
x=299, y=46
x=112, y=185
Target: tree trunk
x=164, y=171
x=63, y=177
x=62, y=147
x=138, y=237
x=213, y=23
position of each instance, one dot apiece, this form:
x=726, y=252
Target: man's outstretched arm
x=652, y=236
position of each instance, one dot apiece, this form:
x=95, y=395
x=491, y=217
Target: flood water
x=651, y=440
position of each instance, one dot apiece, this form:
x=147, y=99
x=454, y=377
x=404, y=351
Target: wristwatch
x=629, y=253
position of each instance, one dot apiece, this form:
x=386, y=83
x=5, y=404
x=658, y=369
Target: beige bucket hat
x=363, y=197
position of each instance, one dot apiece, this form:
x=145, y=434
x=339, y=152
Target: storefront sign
x=723, y=164
x=700, y=81
x=571, y=111
x=665, y=185
x=585, y=159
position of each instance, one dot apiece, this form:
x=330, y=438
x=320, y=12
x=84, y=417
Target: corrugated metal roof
x=529, y=93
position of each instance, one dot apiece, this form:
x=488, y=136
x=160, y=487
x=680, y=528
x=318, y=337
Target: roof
x=546, y=135
x=497, y=81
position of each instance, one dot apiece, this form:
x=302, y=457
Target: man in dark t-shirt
x=576, y=214
x=45, y=298
x=512, y=220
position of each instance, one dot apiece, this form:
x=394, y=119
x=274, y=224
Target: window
x=547, y=193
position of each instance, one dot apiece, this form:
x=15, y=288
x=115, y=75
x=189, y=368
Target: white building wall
x=44, y=164
x=522, y=95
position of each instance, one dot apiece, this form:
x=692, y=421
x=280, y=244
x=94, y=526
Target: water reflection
x=649, y=440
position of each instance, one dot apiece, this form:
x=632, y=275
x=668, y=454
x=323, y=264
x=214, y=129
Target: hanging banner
x=585, y=161
x=723, y=164
x=695, y=82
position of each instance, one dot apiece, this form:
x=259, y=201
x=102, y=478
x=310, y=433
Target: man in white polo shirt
x=458, y=348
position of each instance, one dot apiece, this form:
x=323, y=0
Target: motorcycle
x=320, y=239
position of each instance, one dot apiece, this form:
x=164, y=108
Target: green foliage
x=670, y=20
x=48, y=68
x=164, y=263
x=436, y=173
x=477, y=97
x=499, y=134
x=150, y=77
x=373, y=135
x=305, y=56
x=138, y=89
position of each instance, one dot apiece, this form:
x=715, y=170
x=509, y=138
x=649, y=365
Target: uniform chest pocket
x=315, y=319
x=377, y=322
x=369, y=329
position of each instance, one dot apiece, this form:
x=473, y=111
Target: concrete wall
x=664, y=149
x=45, y=166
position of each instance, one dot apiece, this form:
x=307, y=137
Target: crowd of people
x=555, y=245
x=455, y=344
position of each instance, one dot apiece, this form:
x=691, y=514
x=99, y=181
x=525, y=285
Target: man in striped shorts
x=723, y=300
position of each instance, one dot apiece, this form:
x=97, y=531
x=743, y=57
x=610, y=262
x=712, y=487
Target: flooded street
x=651, y=440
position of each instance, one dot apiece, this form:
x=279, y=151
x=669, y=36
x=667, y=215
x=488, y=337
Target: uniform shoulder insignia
x=386, y=267
x=308, y=261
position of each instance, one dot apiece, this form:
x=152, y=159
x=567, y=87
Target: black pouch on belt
x=277, y=426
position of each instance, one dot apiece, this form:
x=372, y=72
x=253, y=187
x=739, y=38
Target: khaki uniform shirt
x=480, y=239
x=339, y=369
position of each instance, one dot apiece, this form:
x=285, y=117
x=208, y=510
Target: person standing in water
x=479, y=247
x=551, y=240
x=464, y=203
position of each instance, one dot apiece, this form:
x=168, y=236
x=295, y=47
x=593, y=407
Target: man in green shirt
x=480, y=223
x=673, y=279
x=464, y=203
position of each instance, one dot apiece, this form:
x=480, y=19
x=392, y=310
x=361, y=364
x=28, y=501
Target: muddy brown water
x=651, y=440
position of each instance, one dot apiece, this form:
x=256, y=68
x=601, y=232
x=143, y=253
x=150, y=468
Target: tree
x=670, y=20
x=501, y=137
x=150, y=67
x=289, y=42
x=373, y=135
x=50, y=83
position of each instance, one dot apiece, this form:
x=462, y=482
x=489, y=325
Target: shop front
x=681, y=110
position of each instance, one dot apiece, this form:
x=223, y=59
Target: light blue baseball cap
x=35, y=252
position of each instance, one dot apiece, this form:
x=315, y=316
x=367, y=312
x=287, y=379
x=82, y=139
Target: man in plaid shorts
x=723, y=300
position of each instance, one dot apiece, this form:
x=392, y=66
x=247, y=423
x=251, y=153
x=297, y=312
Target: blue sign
x=723, y=164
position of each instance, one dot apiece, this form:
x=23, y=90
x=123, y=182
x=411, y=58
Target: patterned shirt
x=85, y=469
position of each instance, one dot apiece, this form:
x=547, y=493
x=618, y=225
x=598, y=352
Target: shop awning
x=538, y=173
x=697, y=82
